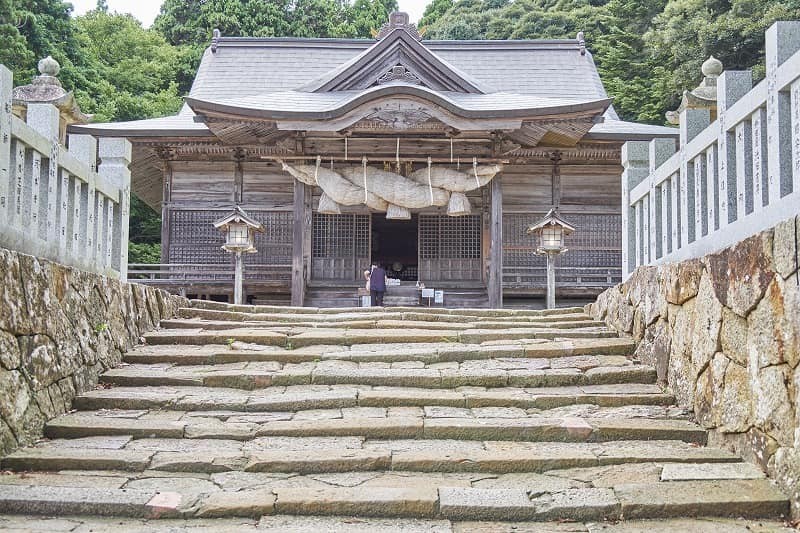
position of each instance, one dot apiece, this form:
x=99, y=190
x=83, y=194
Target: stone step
x=728, y=498
x=320, y=455
x=219, y=306
x=187, y=484
x=418, y=316
x=299, y=337
x=725, y=498
x=510, y=372
x=446, y=423
x=470, y=336
x=347, y=524
x=366, y=323
x=303, y=397
x=389, y=353
x=61, y=501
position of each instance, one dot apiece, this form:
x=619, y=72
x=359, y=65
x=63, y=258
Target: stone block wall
x=723, y=332
x=59, y=329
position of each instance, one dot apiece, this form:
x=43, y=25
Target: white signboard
x=438, y=297
x=427, y=293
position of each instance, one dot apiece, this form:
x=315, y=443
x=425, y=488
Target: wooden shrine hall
x=430, y=157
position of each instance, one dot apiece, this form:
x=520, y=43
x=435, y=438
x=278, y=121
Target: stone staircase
x=396, y=413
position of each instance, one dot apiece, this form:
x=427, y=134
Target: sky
x=146, y=10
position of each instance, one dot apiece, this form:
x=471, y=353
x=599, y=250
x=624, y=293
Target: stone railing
x=723, y=332
x=55, y=203
x=731, y=178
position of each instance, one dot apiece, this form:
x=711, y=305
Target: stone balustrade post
x=44, y=118
x=6, y=83
x=84, y=234
x=660, y=150
x=636, y=166
x=782, y=41
x=732, y=85
x=692, y=122
x=115, y=156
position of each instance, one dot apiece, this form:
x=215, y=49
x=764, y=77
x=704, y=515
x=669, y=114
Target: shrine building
x=430, y=157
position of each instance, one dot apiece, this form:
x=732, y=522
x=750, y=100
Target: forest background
x=647, y=51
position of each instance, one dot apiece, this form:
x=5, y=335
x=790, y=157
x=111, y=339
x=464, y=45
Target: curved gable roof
x=396, y=48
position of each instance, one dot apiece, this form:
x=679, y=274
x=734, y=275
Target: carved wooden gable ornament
x=398, y=56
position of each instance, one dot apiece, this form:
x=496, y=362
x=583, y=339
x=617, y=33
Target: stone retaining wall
x=59, y=329
x=723, y=332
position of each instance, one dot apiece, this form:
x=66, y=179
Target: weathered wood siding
x=266, y=185
x=528, y=186
x=590, y=198
x=202, y=181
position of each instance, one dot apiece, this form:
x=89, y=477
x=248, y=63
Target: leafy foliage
x=647, y=51
x=128, y=71
x=191, y=23
x=144, y=252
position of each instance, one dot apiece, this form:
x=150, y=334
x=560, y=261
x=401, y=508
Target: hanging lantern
x=551, y=231
x=239, y=230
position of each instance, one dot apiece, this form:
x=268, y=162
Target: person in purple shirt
x=377, y=284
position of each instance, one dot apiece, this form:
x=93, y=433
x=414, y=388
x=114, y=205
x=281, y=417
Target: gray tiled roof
x=269, y=72
x=182, y=124
x=248, y=66
x=631, y=131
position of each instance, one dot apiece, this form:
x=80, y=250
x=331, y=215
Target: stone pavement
x=273, y=418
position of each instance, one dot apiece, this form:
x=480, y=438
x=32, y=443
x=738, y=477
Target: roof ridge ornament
x=581, y=43
x=399, y=19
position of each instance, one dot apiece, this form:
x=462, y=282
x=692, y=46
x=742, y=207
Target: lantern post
x=239, y=230
x=551, y=231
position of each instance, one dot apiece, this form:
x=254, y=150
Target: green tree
x=33, y=29
x=627, y=67
x=191, y=23
x=686, y=32
x=647, y=51
x=434, y=11
x=367, y=15
x=14, y=51
x=128, y=71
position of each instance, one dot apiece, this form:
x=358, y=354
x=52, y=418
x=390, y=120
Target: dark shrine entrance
x=428, y=247
x=395, y=246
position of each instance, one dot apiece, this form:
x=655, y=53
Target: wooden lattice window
x=449, y=248
x=443, y=237
x=340, y=235
x=339, y=246
x=194, y=239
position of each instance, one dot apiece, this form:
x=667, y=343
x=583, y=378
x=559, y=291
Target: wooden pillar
x=300, y=224
x=309, y=196
x=166, y=199
x=495, y=285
